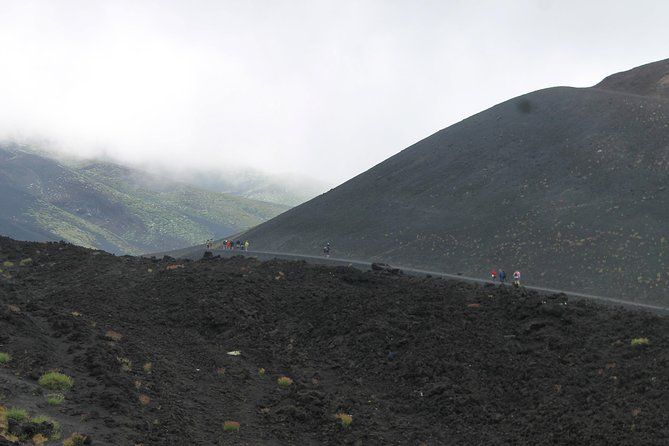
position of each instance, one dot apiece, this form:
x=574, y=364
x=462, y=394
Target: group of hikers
x=230, y=245
x=501, y=275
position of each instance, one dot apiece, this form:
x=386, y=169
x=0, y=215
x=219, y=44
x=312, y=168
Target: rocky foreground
x=236, y=351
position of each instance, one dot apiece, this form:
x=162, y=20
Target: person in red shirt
x=493, y=275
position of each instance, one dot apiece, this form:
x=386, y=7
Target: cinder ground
x=415, y=361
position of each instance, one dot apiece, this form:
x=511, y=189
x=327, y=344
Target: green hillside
x=112, y=207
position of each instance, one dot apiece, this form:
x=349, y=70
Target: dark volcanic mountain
x=112, y=207
x=567, y=185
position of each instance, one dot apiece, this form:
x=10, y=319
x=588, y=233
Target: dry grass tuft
x=76, y=439
x=39, y=440
x=345, y=419
x=284, y=381
x=144, y=400
x=147, y=367
x=113, y=335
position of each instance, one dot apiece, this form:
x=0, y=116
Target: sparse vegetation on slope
x=406, y=358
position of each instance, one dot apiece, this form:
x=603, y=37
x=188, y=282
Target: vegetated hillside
x=163, y=352
x=112, y=207
x=567, y=185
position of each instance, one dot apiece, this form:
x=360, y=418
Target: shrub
x=25, y=262
x=284, y=381
x=16, y=414
x=5, y=358
x=76, y=439
x=7, y=264
x=640, y=341
x=345, y=419
x=147, y=367
x=261, y=371
x=54, y=399
x=231, y=426
x=144, y=400
x=56, y=381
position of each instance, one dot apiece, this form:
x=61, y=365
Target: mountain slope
x=413, y=360
x=567, y=185
x=107, y=206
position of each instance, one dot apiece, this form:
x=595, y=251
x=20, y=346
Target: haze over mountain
x=568, y=185
x=289, y=190
x=113, y=207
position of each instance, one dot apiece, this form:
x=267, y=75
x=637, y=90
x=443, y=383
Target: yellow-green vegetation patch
x=56, y=381
x=345, y=419
x=7, y=264
x=231, y=426
x=640, y=341
x=5, y=358
x=76, y=439
x=147, y=367
x=284, y=381
x=261, y=371
x=17, y=414
x=55, y=399
x=25, y=262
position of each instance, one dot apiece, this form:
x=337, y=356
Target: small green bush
x=25, y=262
x=56, y=381
x=5, y=358
x=17, y=414
x=231, y=426
x=640, y=341
x=55, y=399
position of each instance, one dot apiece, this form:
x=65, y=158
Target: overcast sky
x=321, y=88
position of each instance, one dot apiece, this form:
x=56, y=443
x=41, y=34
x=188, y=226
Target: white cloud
x=326, y=89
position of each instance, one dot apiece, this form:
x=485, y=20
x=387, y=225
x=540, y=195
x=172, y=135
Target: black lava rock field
x=175, y=352
x=567, y=185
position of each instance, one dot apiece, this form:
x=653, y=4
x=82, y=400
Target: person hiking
x=516, y=278
x=326, y=250
x=246, y=245
x=502, y=276
x=493, y=275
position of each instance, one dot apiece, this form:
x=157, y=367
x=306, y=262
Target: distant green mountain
x=112, y=207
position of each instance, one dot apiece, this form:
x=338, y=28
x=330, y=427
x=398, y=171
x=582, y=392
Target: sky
x=323, y=89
